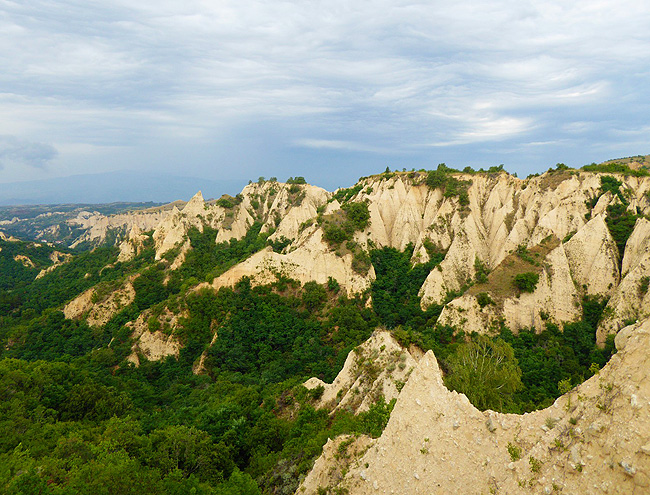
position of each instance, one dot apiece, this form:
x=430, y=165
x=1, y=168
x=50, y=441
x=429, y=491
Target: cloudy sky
x=332, y=90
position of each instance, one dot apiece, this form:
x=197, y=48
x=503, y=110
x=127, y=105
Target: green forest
x=77, y=418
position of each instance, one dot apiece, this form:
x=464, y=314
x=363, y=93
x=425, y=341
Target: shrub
x=486, y=371
x=358, y=215
x=483, y=299
x=436, y=179
x=526, y=282
x=620, y=223
x=481, y=271
x=313, y=296
x=514, y=451
x=333, y=284
x=644, y=282
x=334, y=234
x=361, y=262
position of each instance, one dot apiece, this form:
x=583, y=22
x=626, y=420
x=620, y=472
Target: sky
x=331, y=91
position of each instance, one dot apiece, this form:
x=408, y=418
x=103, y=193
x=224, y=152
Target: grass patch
x=499, y=284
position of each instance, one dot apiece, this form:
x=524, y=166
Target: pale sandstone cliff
x=98, y=226
x=57, y=259
x=132, y=245
x=594, y=439
x=156, y=344
x=377, y=368
x=502, y=213
x=276, y=205
x=629, y=302
x=98, y=307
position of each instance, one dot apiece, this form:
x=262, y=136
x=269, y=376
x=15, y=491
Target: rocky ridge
x=594, y=439
x=504, y=226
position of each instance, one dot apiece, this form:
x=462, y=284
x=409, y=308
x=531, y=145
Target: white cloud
x=371, y=76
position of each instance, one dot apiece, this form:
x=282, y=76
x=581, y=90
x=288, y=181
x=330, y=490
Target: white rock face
x=272, y=203
x=502, y=213
x=593, y=258
x=98, y=226
x=154, y=345
x=629, y=302
x=132, y=245
x=437, y=442
x=99, y=312
x=376, y=368
x=554, y=295
x=311, y=260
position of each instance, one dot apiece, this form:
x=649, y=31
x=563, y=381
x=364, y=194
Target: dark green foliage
x=526, y=282
x=620, y=223
x=644, y=282
x=75, y=418
x=436, y=179
x=335, y=234
x=483, y=299
x=358, y=216
x=340, y=228
x=149, y=287
x=487, y=372
x=451, y=186
x=268, y=337
x=207, y=260
x=548, y=357
x=344, y=195
x=481, y=270
x=228, y=201
x=278, y=245
x=314, y=296
x=54, y=338
x=333, y=284
x=592, y=310
x=395, y=290
x=615, y=167
x=361, y=261
x=296, y=180
x=613, y=185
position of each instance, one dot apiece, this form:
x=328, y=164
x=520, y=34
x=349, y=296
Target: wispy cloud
x=372, y=77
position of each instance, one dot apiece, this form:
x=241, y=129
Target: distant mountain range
x=112, y=187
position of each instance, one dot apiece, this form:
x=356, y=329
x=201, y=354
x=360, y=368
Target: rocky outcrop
x=132, y=245
x=554, y=297
x=631, y=299
x=99, y=304
x=57, y=259
x=593, y=258
x=97, y=227
x=594, y=439
x=153, y=336
x=498, y=214
x=377, y=368
x=24, y=260
x=311, y=260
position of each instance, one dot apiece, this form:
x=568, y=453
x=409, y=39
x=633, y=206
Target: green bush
x=358, y=215
x=486, y=371
x=620, y=223
x=483, y=299
x=526, y=282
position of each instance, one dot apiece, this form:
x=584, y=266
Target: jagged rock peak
x=595, y=437
x=195, y=206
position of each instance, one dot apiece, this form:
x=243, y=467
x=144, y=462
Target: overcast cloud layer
x=329, y=90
